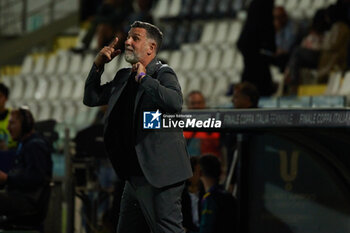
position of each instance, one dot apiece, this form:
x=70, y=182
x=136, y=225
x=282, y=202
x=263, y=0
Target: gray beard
x=131, y=58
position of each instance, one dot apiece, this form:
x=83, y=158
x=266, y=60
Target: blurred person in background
x=200, y=142
x=286, y=32
x=108, y=23
x=307, y=54
x=27, y=182
x=7, y=145
x=330, y=55
x=245, y=95
x=218, y=207
x=335, y=43
x=6, y=141
x=191, y=199
x=257, y=45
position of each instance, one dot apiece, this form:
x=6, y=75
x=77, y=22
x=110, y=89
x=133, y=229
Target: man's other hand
x=107, y=53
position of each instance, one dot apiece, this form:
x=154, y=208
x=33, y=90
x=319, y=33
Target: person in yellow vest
x=6, y=141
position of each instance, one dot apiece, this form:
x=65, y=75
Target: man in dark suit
x=154, y=162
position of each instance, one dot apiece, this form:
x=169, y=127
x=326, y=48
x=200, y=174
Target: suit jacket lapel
x=115, y=96
x=150, y=70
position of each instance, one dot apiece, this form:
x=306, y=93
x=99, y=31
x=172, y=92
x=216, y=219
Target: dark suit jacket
x=162, y=154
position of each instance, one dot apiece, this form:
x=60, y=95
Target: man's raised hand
x=107, y=53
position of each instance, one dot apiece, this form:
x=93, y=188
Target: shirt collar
x=151, y=68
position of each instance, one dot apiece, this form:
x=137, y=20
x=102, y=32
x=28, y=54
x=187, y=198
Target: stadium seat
x=183, y=82
x=221, y=86
x=222, y=31
x=67, y=85
x=238, y=62
x=186, y=8
x=214, y=59
x=228, y=59
x=280, y=2
x=290, y=6
x=30, y=87
x=174, y=8
x=194, y=83
x=234, y=31
x=304, y=4
x=27, y=65
x=39, y=65
x=17, y=88
x=169, y=35
x=210, y=8
x=164, y=55
x=55, y=89
x=345, y=86
x=188, y=58
x=208, y=83
x=63, y=62
x=180, y=36
x=7, y=81
x=58, y=110
x=225, y=8
x=175, y=59
x=44, y=111
x=70, y=113
x=87, y=63
x=333, y=83
x=194, y=33
x=161, y=9
x=208, y=33
x=201, y=61
x=318, y=4
x=42, y=89
x=51, y=64
x=75, y=64
x=198, y=8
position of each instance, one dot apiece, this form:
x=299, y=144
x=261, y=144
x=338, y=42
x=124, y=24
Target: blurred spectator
x=195, y=100
x=88, y=9
x=335, y=44
x=27, y=183
x=218, y=207
x=200, y=142
x=142, y=12
x=325, y=53
x=245, y=95
x=257, y=45
x=191, y=196
x=313, y=40
x=108, y=23
x=6, y=141
x=286, y=34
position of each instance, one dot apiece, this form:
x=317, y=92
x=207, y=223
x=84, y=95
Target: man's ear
x=152, y=48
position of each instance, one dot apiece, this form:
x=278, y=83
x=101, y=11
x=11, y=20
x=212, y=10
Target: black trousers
x=145, y=208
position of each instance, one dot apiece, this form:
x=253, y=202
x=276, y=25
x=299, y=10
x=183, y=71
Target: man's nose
x=128, y=41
